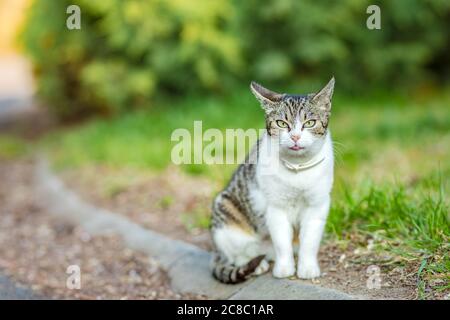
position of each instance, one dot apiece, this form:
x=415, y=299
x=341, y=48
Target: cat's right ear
x=268, y=99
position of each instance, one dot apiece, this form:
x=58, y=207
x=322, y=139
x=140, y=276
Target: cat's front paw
x=308, y=270
x=283, y=270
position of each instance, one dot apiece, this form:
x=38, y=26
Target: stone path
x=16, y=91
x=9, y=290
x=16, y=86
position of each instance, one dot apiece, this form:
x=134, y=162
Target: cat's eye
x=282, y=124
x=309, y=124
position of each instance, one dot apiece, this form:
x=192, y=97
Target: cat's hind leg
x=238, y=245
x=238, y=254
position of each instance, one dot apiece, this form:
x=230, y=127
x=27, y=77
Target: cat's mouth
x=296, y=148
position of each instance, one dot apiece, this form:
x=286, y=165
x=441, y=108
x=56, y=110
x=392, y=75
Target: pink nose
x=295, y=137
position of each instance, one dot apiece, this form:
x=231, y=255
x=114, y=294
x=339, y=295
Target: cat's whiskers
x=338, y=149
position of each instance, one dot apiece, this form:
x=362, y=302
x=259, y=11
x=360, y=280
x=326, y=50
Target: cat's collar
x=302, y=166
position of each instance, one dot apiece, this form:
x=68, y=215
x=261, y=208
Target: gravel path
x=36, y=250
x=9, y=290
x=16, y=88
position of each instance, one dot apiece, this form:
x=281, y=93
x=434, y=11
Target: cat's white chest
x=291, y=191
x=295, y=191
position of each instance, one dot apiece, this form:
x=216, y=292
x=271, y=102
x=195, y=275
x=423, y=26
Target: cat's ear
x=322, y=99
x=268, y=99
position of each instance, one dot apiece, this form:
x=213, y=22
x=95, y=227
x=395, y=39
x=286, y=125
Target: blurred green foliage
x=129, y=52
x=289, y=39
x=12, y=147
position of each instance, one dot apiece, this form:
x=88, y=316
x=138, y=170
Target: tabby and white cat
x=289, y=200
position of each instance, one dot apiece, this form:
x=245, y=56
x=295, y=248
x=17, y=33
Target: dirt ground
x=36, y=250
x=350, y=266
x=169, y=203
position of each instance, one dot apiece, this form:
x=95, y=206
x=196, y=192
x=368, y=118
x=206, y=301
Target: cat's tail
x=229, y=273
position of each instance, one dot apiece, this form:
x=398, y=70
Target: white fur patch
x=238, y=246
x=288, y=201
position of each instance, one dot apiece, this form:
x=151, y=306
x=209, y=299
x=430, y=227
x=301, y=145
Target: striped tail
x=232, y=274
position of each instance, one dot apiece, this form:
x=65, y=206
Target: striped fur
x=229, y=273
x=239, y=224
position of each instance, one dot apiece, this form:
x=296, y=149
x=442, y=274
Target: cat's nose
x=295, y=137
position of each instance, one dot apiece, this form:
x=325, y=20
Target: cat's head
x=299, y=122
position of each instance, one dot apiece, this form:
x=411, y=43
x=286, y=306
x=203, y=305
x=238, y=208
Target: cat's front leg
x=281, y=232
x=311, y=230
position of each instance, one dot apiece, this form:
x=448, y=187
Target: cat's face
x=299, y=122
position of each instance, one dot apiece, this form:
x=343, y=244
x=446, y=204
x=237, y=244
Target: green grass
x=413, y=225
x=392, y=164
x=142, y=139
x=12, y=147
x=363, y=131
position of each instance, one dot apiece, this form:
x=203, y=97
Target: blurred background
x=128, y=54
x=106, y=98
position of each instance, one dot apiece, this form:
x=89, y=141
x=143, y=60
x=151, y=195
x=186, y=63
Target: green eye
x=309, y=124
x=282, y=124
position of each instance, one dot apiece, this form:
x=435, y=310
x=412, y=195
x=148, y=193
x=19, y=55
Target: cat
x=257, y=215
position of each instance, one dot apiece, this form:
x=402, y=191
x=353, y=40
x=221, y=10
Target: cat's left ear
x=269, y=99
x=322, y=99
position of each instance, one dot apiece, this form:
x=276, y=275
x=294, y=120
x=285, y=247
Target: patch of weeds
x=113, y=189
x=114, y=184
x=199, y=218
x=421, y=284
x=412, y=226
x=12, y=147
x=165, y=202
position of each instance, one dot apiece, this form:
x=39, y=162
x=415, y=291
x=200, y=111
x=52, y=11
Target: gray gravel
x=10, y=290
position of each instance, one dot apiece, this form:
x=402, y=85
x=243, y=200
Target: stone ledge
x=10, y=290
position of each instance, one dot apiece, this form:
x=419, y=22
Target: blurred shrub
x=291, y=39
x=129, y=51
